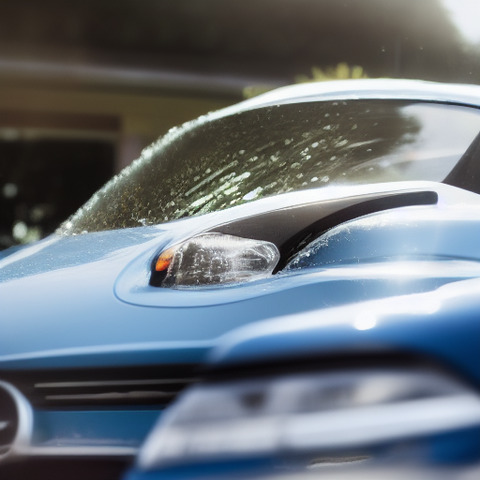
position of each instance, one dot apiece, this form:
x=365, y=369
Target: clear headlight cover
x=215, y=259
x=307, y=412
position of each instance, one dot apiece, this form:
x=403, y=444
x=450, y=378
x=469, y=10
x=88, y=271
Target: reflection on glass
x=209, y=166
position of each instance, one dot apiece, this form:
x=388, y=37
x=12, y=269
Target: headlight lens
x=308, y=412
x=215, y=259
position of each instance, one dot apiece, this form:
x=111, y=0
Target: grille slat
x=115, y=387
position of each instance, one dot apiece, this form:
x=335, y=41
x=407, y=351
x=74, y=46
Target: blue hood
x=441, y=325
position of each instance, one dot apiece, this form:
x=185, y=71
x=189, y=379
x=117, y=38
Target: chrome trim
x=141, y=395
x=116, y=383
x=25, y=421
x=85, y=450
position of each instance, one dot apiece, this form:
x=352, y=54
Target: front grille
x=150, y=391
x=113, y=387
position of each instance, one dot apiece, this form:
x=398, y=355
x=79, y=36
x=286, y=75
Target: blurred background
x=85, y=86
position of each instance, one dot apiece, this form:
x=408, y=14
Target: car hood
x=58, y=296
x=440, y=326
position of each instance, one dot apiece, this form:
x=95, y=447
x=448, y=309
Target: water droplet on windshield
x=253, y=194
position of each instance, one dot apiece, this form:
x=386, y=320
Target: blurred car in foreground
x=298, y=200
x=358, y=472
x=382, y=385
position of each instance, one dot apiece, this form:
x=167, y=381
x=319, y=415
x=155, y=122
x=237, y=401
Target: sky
x=465, y=16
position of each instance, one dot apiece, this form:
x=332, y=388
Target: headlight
x=307, y=413
x=214, y=259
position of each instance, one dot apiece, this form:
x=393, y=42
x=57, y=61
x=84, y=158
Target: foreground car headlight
x=308, y=412
x=214, y=259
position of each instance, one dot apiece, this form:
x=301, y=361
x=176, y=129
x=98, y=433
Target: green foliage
x=254, y=90
x=341, y=71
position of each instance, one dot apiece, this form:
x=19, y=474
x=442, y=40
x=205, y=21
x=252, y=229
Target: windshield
x=210, y=165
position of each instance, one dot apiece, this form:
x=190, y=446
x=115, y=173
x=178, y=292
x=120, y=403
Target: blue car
x=305, y=198
x=384, y=387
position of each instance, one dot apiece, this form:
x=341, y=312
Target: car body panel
x=385, y=88
x=441, y=324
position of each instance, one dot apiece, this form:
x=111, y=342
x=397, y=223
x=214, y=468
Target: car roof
x=393, y=89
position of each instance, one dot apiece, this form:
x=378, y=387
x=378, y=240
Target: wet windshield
x=207, y=166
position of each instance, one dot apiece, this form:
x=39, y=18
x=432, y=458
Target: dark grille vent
x=98, y=388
